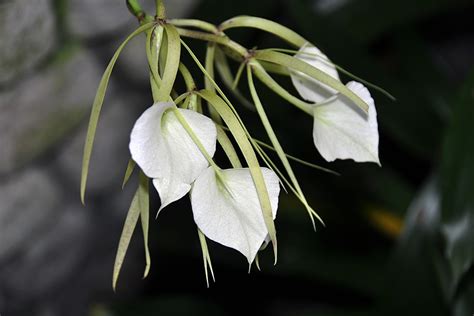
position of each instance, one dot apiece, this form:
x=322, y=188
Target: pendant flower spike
x=341, y=130
x=174, y=141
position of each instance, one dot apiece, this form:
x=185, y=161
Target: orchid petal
x=343, y=131
x=227, y=210
x=165, y=152
x=310, y=89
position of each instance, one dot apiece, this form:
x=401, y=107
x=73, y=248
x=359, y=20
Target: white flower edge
x=230, y=213
x=309, y=88
x=166, y=153
x=342, y=131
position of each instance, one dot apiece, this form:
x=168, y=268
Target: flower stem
x=278, y=149
x=265, y=25
x=264, y=77
x=203, y=25
x=137, y=11
x=219, y=39
x=187, y=77
x=160, y=9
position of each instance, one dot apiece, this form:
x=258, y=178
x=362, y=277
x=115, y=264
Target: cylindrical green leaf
x=97, y=106
x=299, y=65
x=265, y=25
x=172, y=63
x=276, y=144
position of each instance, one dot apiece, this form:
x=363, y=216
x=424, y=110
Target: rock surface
x=28, y=36
x=92, y=18
x=39, y=111
x=56, y=256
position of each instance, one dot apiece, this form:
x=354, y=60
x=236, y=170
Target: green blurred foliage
x=352, y=266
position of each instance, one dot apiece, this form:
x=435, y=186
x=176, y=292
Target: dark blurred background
x=399, y=239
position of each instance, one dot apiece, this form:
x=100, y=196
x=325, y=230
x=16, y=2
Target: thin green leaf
x=298, y=160
x=172, y=63
x=238, y=75
x=206, y=257
x=187, y=77
x=209, y=66
x=228, y=148
x=128, y=229
x=264, y=77
x=225, y=73
x=276, y=144
x=162, y=54
x=181, y=97
x=271, y=165
x=130, y=167
x=265, y=25
x=340, y=68
x=283, y=180
x=219, y=90
x=153, y=46
x=144, y=204
x=247, y=150
x=205, y=26
x=275, y=69
x=299, y=65
x=97, y=106
x=232, y=108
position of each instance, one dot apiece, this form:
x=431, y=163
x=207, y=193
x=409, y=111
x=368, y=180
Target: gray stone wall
x=55, y=254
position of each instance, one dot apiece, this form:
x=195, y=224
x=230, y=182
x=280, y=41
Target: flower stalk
x=160, y=10
x=137, y=11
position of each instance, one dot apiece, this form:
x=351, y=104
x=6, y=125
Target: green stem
x=219, y=39
x=160, y=10
x=265, y=25
x=276, y=144
x=264, y=77
x=137, y=11
x=188, y=78
x=203, y=25
x=180, y=98
x=238, y=75
x=341, y=69
x=209, y=66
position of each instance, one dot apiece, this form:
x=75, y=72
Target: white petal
x=164, y=151
x=309, y=88
x=343, y=131
x=231, y=215
x=146, y=140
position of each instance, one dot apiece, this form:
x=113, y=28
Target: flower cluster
x=173, y=142
x=224, y=201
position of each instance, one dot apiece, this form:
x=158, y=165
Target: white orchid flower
x=166, y=153
x=341, y=129
x=227, y=210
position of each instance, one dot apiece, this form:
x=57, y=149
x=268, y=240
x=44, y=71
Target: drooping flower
x=166, y=153
x=341, y=129
x=227, y=210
